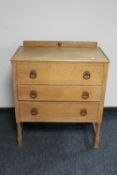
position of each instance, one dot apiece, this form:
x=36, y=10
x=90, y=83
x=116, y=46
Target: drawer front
x=58, y=111
x=59, y=93
x=59, y=73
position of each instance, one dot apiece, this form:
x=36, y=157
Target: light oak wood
x=19, y=134
x=97, y=135
x=94, y=127
x=57, y=54
x=58, y=111
x=97, y=126
x=59, y=73
x=103, y=91
x=59, y=93
x=60, y=44
x=14, y=82
x=100, y=114
x=55, y=71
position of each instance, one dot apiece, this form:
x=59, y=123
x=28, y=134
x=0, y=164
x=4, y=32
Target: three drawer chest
x=59, y=81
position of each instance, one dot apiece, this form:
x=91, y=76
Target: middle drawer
x=59, y=93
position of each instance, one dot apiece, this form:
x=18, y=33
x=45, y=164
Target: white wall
x=84, y=20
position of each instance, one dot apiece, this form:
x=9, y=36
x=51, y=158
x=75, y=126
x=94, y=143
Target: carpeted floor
x=58, y=149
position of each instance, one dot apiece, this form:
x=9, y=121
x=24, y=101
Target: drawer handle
x=85, y=95
x=33, y=94
x=33, y=74
x=83, y=112
x=59, y=44
x=86, y=75
x=34, y=111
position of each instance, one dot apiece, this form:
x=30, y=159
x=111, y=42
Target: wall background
x=83, y=20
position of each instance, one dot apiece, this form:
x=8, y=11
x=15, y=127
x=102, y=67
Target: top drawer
x=59, y=73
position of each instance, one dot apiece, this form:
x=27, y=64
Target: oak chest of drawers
x=59, y=82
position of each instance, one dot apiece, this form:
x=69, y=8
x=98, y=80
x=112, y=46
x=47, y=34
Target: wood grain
x=59, y=111
x=55, y=71
x=69, y=54
x=59, y=93
x=59, y=73
x=60, y=44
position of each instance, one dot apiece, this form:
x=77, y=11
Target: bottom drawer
x=58, y=111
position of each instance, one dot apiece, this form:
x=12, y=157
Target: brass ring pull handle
x=83, y=112
x=59, y=44
x=34, y=111
x=33, y=74
x=86, y=75
x=85, y=95
x=33, y=94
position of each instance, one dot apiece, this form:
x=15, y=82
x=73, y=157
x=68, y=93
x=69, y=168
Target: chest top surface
x=75, y=54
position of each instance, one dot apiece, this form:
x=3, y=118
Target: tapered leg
x=97, y=135
x=19, y=134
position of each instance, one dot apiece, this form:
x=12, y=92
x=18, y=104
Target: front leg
x=97, y=135
x=19, y=134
